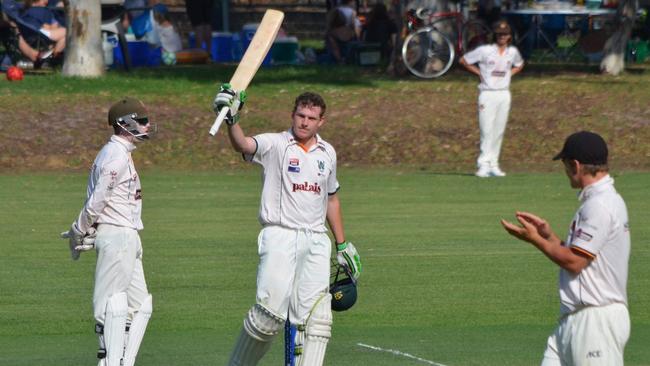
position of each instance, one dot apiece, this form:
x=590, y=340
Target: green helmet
x=130, y=115
x=342, y=287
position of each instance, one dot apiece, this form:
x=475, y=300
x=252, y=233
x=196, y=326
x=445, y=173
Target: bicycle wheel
x=475, y=34
x=427, y=53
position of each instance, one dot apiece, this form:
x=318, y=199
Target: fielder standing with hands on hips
x=109, y=222
x=497, y=63
x=594, y=325
x=299, y=194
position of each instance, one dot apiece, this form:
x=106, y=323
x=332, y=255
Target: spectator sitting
x=169, y=37
x=348, y=9
x=339, y=37
x=380, y=29
x=38, y=14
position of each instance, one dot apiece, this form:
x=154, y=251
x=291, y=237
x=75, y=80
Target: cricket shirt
x=295, y=183
x=114, y=193
x=601, y=231
x=496, y=68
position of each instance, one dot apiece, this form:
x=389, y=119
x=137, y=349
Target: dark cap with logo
x=125, y=107
x=585, y=147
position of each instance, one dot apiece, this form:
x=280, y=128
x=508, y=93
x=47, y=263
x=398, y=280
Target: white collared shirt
x=601, y=231
x=114, y=193
x=495, y=67
x=296, y=183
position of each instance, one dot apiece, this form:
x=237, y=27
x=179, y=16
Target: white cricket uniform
x=114, y=205
x=293, y=246
x=595, y=323
x=494, y=97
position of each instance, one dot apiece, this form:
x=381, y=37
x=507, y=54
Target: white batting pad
x=136, y=331
x=260, y=327
x=318, y=331
x=114, y=324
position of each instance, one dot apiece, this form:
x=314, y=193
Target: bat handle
x=217, y=123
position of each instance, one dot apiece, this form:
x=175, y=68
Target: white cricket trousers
x=594, y=336
x=119, y=269
x=293, y=271
x=493, y=110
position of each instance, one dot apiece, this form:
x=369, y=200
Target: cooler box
x=284, y=51
x=191, y=41
x=140, y=52
x=368, y=54
x=222, y=47
x=247, y=33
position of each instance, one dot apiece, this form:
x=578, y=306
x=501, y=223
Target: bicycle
x=436, y=38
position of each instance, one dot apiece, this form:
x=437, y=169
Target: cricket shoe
x=483, y=172
x=496, y=172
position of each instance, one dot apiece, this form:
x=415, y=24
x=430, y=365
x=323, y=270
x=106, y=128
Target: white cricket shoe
x=496, y=172
x=483, y=172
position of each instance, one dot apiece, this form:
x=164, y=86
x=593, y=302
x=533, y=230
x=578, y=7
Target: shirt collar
x=597, y=187
x=292, y=141
x=127, y=145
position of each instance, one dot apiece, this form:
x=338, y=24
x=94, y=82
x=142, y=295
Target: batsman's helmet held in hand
x=130, y=115
x=342, y=287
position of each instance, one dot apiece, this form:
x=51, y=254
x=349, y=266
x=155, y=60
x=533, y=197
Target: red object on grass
x=14, y=73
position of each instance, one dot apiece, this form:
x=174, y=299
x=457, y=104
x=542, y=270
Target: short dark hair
x=309, y=99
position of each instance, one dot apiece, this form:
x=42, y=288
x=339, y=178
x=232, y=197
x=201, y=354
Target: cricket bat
x=255, y=53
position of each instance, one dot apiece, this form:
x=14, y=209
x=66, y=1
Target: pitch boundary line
x=399, y=353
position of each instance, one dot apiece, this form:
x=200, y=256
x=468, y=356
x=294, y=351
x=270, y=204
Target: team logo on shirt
x=307, y=187
x=294, y=165
x=138, y=194
x=321, y=166
x=580, y=234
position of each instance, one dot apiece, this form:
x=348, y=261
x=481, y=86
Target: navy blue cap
x=585, y=147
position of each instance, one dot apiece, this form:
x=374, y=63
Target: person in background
x=38, y=14
x=200, y=14
x=494, y=64
x=339, y=38
x=380, y=29
x=170, y=40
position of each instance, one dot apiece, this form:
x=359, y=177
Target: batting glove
x=347, y=256
x=78, y=241
x=228, y=98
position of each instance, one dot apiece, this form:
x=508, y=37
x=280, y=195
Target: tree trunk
x=83, y=52
x=614, y=60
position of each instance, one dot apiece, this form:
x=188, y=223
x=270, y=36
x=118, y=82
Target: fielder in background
x=497, y=63
x=594, y=325
x=299, y=194
x=109, y=222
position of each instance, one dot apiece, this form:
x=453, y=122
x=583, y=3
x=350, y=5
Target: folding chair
x=112, y=11
x=30, y=32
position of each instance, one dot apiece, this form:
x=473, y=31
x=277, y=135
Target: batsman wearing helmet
x=109, y=223
x=497, y=63
x=594, y=324
x=299, y=194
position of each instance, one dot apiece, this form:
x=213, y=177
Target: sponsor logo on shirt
x=307, y=187
x=498, y=74
x=594, y=354
x=294, y=166
x=580, y=234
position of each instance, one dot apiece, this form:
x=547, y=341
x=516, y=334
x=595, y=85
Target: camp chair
x=112, y=11
x=30, y=32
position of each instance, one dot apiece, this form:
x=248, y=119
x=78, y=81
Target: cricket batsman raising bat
x=255, y=54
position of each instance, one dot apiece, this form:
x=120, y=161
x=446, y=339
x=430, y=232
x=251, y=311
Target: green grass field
x=442, y=281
